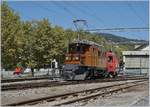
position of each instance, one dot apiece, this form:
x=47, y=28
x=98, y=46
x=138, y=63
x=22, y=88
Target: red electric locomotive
x=111, y=63
x=87, y=59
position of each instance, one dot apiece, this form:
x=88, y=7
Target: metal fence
x=53, y=73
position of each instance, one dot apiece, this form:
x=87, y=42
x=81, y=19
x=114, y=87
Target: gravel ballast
x=8, y=97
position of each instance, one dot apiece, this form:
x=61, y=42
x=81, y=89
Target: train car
x=86, y=60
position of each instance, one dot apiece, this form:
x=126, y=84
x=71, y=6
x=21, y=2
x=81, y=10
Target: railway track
x=39, y=78
x=24, y=79
x=19, y=86
x=79, y=96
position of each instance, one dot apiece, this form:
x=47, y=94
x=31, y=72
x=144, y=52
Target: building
x=137, y=62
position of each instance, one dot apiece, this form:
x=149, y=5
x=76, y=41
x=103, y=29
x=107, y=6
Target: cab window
x=110, y=58
x=74, y=48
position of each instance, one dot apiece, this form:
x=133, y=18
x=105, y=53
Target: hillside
x=120, y=40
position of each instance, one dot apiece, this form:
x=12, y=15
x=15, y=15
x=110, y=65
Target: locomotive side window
x=110, y=58
x=78, y=48
x=85, y=49
x=99, y=53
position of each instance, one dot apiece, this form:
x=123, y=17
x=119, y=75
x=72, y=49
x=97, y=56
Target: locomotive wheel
x=91, y=75
x=110, y=75
x=72, y=76
x=115, y=75
x=106, y=75
x=87, y=75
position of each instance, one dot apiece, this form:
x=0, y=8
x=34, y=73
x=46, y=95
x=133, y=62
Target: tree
x=12, y=38
x=28, y=58
x=43, y=42
x=59, y=47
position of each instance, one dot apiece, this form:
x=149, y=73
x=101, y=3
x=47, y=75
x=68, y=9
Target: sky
x=98, y=14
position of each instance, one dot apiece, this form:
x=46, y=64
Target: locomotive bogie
x=77, y=72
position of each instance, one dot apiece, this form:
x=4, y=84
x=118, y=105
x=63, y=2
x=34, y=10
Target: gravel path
x=8, y=97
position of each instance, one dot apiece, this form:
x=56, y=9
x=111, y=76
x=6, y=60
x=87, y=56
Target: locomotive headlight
x=76, y=58
x=67, y=58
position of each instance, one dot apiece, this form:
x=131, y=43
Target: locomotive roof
x=87, y=42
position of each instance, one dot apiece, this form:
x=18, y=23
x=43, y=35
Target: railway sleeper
x=77, y=93
x=97, y=95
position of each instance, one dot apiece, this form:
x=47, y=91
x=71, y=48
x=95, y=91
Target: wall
x=136, y=62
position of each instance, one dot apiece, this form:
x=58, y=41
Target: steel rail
x=24, y=79
x=63, y=96
x=95, y=95
x=20, y=86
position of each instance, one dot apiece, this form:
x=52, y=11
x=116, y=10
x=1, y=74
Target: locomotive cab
x=111, y=63
x=73, y=56
x=74, y=61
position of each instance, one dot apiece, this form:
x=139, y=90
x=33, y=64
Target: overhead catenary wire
x=100, y=21
x=82, y=11
x=65, y=9
x=93, y=14
x=47, y=9
x=71, y=14
x=121, y=29
x=135, y=12
x=52, y=10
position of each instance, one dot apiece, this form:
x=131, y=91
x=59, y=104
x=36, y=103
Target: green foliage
x=11, y=36
x=36, y=43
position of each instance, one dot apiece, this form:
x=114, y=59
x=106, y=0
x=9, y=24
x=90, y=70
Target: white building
x=146, y=48
x=137, y=62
